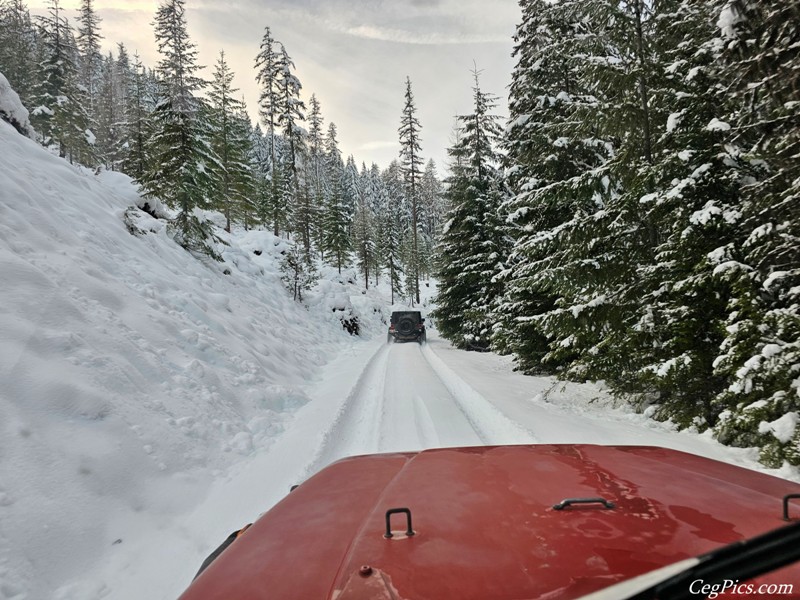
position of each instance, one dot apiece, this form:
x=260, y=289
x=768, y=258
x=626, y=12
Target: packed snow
x=152, y=401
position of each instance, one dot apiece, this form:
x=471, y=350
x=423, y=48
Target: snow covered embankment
x=131, y=373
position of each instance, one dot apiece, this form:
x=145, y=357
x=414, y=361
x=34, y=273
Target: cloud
x=354, y=54
x=378, y=145
x=400, y=21
x=432, y=38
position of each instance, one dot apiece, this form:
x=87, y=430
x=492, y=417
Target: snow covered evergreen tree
x=432, y=202
x=105, y=109
x=91, y=60
x=352, y=189
x=138, y=126
x=182, y=167
x=260, y=161
x=290, y=117
x=337, y=241
x=691, y=203
x=472, y=247
x=121, y=82
x=378, y=200
x=299, y=272
x=655, y=208
x=395, y=219
x=364, y=238
x=412, y=165
x=553, y=156
x=268, y=69
x=110, y=109
x=315, y=173
x=230, y=142
x=59, y=113
x=18, y=42
x=761, y=353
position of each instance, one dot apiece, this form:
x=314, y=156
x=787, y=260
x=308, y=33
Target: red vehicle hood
x=486, y=527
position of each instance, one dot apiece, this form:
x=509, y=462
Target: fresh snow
x=717, y=125
x=773, y=277
x=674, y=120
x=782, y=428
x=152, y=401
x=729, y=17
x=11, y=108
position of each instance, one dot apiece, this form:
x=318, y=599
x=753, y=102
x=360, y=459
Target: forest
x=192, y=146
x=635, y=221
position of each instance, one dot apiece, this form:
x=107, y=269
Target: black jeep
x=407, y=325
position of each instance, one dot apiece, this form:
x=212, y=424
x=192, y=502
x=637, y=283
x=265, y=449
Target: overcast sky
x=353, y=54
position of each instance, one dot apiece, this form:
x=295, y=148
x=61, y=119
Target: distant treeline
x=190, y=143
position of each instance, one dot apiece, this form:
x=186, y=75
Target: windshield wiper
x=738, y=561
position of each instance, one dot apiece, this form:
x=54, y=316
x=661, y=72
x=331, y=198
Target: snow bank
x=132, y=375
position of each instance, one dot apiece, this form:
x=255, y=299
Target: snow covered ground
x=150, y=402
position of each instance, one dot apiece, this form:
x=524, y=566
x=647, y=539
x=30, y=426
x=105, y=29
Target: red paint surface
x=486, y=529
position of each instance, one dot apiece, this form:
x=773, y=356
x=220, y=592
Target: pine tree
x=378, y=199
x=91, y=61
x=181, y=165
x=60, y=115
x=283, y=189
x=431, y=198
x=104, y=108
x=364, y=237
x=337, y=243
x=18, y=49
x=260, y=161
x=290, y=117
x=554, y=155
x=299, y=272
x=268, y=68
x=137, y=124
x=472, y=245
x=122, y=79
x=691, y=204
x=230, y=143
x=244, y=173
x=624, y=234
x=760, y=353
x=395, y=220
x=412, y=163
x=431, y=213
x=352, y=189
x=316, y=171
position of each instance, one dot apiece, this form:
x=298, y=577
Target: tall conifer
x=412, y=165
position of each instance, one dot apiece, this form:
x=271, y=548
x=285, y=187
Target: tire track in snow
x=491, y=425
x=426, y=431
x=407, y=399
x=356, y=427
x=419, y=411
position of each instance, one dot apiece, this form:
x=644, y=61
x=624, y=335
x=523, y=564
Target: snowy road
x=402, y=402
x=379, y=397
x=399, y=404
